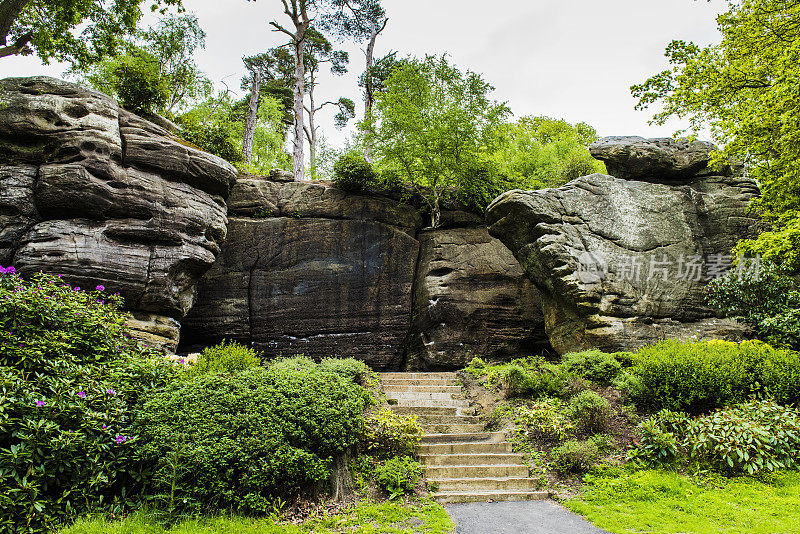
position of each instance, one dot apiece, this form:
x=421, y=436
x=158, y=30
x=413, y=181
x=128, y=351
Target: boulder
x=663, y=159
x=471, y=298
x=622, y=263
x=101, y=196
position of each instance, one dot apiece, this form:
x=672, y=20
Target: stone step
x=406, y=388
x=436, y=472
x=436, y=419
x=417, y=376
x=464, y=448
x=486, y=484
x=471, y=459
x=499, y=496
x=434, y=410
x=417, y=396
x=475, y=437
x=451, y=428
x=427, y=403
x=419, y=382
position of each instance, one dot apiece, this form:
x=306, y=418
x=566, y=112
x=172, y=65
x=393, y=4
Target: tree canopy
x=746, y=89
x=80, y=32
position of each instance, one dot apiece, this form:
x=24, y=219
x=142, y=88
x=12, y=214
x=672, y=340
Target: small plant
x=263, y=213
x=227, y=357
x=398, y=476
x=476, y=368
x=353, y=173
x=590, y=411
x=356, y=370
x=574, y=457
x=544, y=419
x=521, y=382
x=391, y=434
x=594, y=365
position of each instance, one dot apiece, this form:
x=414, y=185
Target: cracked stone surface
x=326, y=273
x=616, y=259
x=101, y=196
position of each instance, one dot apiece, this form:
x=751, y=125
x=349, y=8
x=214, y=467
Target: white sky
x=567, y=59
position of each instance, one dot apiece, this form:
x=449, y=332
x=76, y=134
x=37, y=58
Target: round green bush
x=574, y=456
x=236, y=441
x=593, y=365
x=70, y=378
x=227, y=357
x=353, y=173
x=398, y=475
x=589, y=411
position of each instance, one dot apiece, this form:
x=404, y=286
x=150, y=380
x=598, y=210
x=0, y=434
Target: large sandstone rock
x=310, y=269
x=663, y=159
x=101, y=196
x=617, y=260
x=471, y=298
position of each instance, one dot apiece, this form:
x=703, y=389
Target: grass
x=365, y=517
x=656, y=502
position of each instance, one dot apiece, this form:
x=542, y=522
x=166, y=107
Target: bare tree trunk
x=252, y=117
x=312, y=138
x=299, y=97
x=9, y=12
x=369, y=89
x=341, y=479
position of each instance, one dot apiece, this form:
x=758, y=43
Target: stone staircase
x=467, y=463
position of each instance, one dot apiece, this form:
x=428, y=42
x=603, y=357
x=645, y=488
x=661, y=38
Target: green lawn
x=369, y=518
x=651, y=501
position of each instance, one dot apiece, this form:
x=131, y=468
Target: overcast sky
x=567, y=59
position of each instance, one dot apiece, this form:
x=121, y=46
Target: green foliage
x=227, y=357
x=544, y=419
x=743, y=439
x=135, y=80
x=766, y=298
x=213, y=126
x=80, y=32
x=522, y=382
x=353, y=173
x=594, y=365
x=431, y=124
x=390, y=434
x=701, y=376
x=538, y=152
x=69, y=379
x=590, y=411
x=574, y=456
x=253, y=435
x=399, y=475
x=476, y=367
x=669, y=502
x=745, y=88
x=354, y=370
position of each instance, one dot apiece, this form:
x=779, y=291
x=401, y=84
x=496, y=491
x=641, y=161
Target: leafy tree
x=342, y=18
x=214, y=127
x=81, y=32
x=745, y=87
x=174, y=41
x=135, y=79
x=538, y=152
x=433, y=122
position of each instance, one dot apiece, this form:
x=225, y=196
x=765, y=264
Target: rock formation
x=103, y=197
x=623, y=260
x=310, y=269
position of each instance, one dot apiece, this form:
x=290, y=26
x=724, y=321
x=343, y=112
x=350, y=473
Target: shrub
x=594, y=365
x=353, y=173
x=766, y=298
x=69, y=378
x=391, y=434
x=397, y=476
x=574, y=457
x=254, y=435
x=746, y=438
x=476, y=367
x=590, y=411
x=227, y=357
x=521, y=382
x=544, y=419
x=350, y=368
x=699, y=377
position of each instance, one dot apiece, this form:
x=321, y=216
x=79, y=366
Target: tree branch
x=19, y=46
x=9, y=11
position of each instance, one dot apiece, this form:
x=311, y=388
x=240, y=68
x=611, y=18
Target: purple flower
x=111, y=392
x=40, y=403
x=105, y=426
x=100, y=288
x=10, y=270
x=182, y=361
x=77, y=288
x=121, y=439
x=3, y=270
x=82, y=394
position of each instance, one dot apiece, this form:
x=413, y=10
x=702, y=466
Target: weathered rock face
x=471, y=298
x=310, y=269
x=103, y=197
x=663, y=159
x=622, y=263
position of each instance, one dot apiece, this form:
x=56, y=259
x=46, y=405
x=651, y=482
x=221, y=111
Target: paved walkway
x=533, y=517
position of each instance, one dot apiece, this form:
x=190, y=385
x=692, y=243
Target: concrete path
x=532, y=517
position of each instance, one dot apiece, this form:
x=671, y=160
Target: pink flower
x=100, y=288
x=77, y=288
x=40, y=403
x=82, y=394
x=121, y=439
